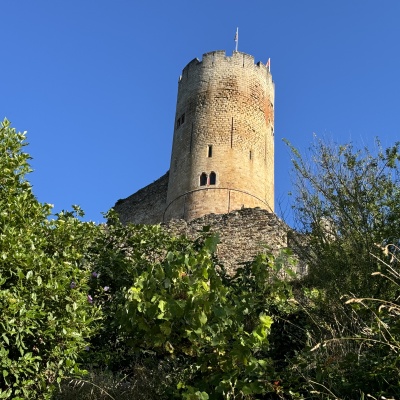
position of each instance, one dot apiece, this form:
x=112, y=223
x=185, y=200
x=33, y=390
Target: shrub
x=346, y=201
x=169, y=299
x=45, y=313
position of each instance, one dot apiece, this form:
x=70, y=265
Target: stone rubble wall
x=243, y=233
x=146, y=206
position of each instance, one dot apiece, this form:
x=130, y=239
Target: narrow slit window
x=180, y=120
x=232, y=133
x=213, y=178
x=203, y=179
x=209, y=150
x=250, y=155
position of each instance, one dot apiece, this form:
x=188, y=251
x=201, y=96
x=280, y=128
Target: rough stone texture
x=243, y=234
x=226, y=103
x=224, y=125
x=146, y=206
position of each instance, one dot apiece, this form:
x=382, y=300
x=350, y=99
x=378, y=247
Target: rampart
x=243, y=234
x=146, y=206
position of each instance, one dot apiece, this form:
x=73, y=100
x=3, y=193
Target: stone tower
x=223, y=145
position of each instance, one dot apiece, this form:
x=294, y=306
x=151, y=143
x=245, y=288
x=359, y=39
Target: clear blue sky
x=94, y=82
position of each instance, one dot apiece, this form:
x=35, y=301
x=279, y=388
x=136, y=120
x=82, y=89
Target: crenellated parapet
x=219, y=57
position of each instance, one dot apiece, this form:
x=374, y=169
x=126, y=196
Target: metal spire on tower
x=237, y=39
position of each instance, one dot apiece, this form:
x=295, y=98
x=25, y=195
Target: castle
x=222, y=162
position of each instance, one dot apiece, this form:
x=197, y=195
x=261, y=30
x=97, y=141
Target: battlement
x=219, y=58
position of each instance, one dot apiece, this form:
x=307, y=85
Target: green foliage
x=361, y=362
x=347, y=201
x=142, y=384
x=45, y=314
x=121, y=255
x=378, y=360
x=169, y=297
x=173, y=324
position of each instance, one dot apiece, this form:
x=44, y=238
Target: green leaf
x=166, y=328
x=266, y=320
x=202, y=395
x=5, y=338
x=211, y=243
x=169, y=347
x=167, y=283
x=203, y=318
x=5, y=394
x=161, y=305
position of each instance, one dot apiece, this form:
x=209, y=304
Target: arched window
x=203, y=179
x=213, y=178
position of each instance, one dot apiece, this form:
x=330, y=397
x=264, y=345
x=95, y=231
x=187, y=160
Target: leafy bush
x=347, y=203
x=347, y=200
x=175, y=325
x=378, y=341
x=359, y=356
x=45, y=313
x=169, y=298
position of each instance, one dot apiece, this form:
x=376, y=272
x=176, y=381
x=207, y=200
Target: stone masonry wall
x=243, y=234
x=226, y=104
x=224, y=132
x=146, y=206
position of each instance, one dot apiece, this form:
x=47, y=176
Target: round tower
x=223, y=146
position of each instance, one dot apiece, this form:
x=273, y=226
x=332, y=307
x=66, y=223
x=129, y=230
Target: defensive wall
x=243, y=233
x=146, y=206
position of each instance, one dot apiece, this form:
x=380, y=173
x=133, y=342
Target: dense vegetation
x=110, y=311
x=45, y=316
